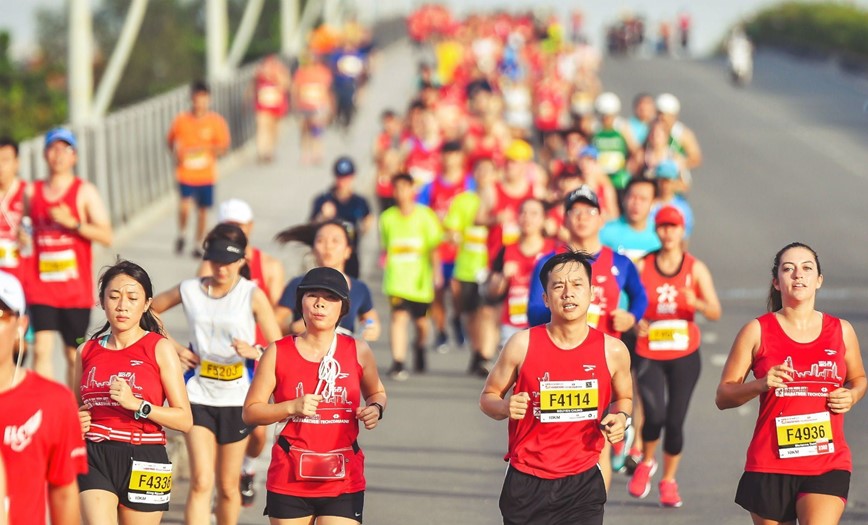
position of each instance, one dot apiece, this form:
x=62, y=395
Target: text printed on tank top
x=568, y=401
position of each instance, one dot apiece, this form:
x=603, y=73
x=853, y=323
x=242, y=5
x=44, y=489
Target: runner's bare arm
x=842, y=399
x=371, y=322
x=176, y=415
x=166, y=300
x=95, y=224
x=257, y=408
x=502, y=377
x=372, y=388
x=733, y=391
x=707, y=303
x=691, y=149
x=263, y=312
x=63, y=504
x=614, y=423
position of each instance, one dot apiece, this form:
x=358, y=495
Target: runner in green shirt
x=410, y=234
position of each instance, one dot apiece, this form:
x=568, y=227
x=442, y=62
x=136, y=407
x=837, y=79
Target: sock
x=247, y=466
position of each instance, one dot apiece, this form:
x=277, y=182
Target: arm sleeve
x=497, y=263
x=223, y=139
x=537, y=312
x=66, y=457
x=632, y=286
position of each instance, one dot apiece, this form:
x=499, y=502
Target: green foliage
x=815, y=27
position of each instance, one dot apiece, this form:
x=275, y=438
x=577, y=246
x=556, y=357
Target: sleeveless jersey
x=442, y=195
x=606, y=292
x=220, y=379
x=137, y=364
x=507, y=233
x=258, y=277
x=64, y=278
x=11, y=212
x=518, y=284
x=795, y=431
x=270, y=97
x=423, y=161
x=333, y=427
x=672, y=332
x=569, y=390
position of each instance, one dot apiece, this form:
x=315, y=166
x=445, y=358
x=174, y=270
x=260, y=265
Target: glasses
x=578, y=212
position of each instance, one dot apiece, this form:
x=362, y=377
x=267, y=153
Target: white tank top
x=220, y=378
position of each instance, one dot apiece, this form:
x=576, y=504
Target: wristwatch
x=144, y=411
x=629, y=422
x=380, y=407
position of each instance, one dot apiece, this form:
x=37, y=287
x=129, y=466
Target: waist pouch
x=308, y=465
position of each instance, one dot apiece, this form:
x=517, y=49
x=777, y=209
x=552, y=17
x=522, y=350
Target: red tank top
x=570, y=391
x=507, y=232
x=423, y=162
x=442, y=195
x=520, y=266
x=607, y=293
x=63, y=276
x=334, y=427
x=795, y=431
x=672, y=332
x=11, y=212
x=137, y=364
x=270, y=97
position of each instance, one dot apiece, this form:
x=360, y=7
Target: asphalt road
x=785, y=159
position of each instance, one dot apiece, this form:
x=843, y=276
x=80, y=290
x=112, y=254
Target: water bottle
x=25, y=245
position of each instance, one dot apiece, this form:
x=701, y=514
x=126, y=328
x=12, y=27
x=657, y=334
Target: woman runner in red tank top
x=317, y=469
x=808, y=373
x=125, y=374
x=667, y=362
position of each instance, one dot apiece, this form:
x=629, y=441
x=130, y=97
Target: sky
x=711, y=18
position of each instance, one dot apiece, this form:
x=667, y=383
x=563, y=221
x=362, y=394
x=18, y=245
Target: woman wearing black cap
x=222, y=311
x=316, y=377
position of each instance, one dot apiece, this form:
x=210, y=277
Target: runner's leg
x=202, y=450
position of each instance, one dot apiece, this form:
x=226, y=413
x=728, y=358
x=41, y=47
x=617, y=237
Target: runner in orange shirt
x=312, y=98
x=197, y=138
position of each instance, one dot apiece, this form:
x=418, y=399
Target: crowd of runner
x=522, y=210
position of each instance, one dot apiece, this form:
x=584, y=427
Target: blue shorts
x=448, y=270
x=203, y=195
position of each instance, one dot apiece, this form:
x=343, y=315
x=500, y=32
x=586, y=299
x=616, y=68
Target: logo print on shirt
x=589, y=368
x=136, y=362
x=666, y=293
x=18, y=438
x=831, y=352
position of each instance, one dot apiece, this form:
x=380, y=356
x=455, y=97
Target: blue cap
x=667, y=169
x=61, y=134
x=344, y=167
x=589, y=151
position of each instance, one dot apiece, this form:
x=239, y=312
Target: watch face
x=146, y=409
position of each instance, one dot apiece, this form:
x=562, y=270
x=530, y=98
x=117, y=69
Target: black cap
x=344, y=167
x=581, y=194
x=223, y=251
x=451, y=146
x=324, y=278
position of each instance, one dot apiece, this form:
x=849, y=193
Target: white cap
x=235, y=210
x=608, y=103
x=668, y=104
x=11, y=293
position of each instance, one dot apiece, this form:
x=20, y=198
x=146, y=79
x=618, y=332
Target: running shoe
x=640, y=484
x=419, y=365
x=441, y=344
x=458, y=330
x=669, y=496
x=248, y=491
x=179, y=245
x=397, y=372
x=632, y=460
x=619, y=451
x=197, y=253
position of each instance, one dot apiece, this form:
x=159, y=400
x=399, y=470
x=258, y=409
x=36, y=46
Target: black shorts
x=285, y=507
x=471, y=298
x=576, y=499
x=416, y=310
x=110, y=468
x=70, y=322
x=774, y=496
x=224, y=422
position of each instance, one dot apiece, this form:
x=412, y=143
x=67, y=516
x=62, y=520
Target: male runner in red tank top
x=68, y=216
x=571, y=391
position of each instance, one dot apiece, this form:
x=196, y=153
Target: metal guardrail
x=126, y=154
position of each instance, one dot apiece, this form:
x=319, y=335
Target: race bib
x=405, y=250
x=197, y=160
x=150, y=483
x=269, y=96
x=220, y=371
x=804, y=435
x=594, y=313
x=511, y=233
x=568, y=401
x=516, y=304
x=611, y=161
x=58, y=266
x=476, y=239
x=8, y=253
x=311, y=95
x=671, y=335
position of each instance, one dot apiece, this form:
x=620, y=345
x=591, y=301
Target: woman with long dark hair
x=126, y=372
x=808, y=373
x=223, y=310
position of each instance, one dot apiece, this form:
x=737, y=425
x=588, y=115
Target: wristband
x=380, y=407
